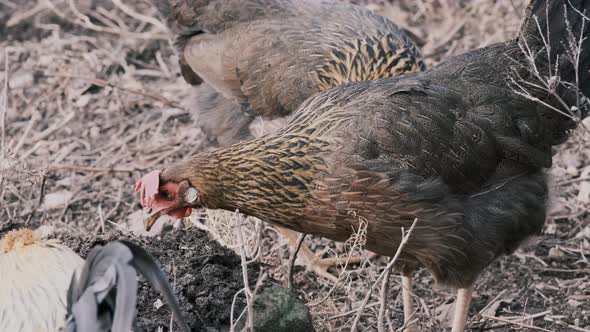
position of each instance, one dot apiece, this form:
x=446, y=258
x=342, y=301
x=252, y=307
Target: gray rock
x=21, y=79
x=277, y=309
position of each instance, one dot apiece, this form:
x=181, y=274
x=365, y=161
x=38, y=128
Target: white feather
x=34, y=281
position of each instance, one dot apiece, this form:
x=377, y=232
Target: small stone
x=45, y=60
x=573, y=303
x=550, y=229
x=21, y=80
x=83, y=100
x=65, y=182
x=277, y=309
x=57, y=200
x=94, y=132
x=555, y=252
x=584, y=193
x=572, y=171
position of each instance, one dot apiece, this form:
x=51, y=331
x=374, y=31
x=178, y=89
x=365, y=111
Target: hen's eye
x=167, y=195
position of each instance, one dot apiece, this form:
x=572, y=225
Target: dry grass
x=91, y=98
x=450, y=27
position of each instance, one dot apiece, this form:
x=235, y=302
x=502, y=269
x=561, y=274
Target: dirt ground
x=204, y=274
x=94, y=99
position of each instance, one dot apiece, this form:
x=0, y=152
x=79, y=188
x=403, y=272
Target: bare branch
x=405, y=239
x=247, y=292
x=382, y=302
x=293, y=258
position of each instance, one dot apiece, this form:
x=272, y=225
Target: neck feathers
x=269, y=179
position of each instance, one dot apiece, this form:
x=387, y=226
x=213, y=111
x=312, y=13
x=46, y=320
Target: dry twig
x=516, y=323
x=293, y=258
x=3, y=112
x=84, y=21
x=405, y=238
x=41, y=197
x=103, y=83
x=247, y=292
x=383, y=298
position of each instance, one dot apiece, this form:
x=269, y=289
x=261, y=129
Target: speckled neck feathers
x=268, y=179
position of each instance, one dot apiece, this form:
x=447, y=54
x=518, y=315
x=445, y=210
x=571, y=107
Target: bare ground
x=204, y=275
x=94, y=99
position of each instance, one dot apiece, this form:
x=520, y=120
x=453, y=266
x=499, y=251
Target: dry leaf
x=571, y=160
x=573, y=303
x=555, y=252
x=583, y=234
x=492, y=310
x=21, y=80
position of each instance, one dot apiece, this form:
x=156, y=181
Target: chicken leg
x=315, y=264
x=407, y=297
x=462, y=308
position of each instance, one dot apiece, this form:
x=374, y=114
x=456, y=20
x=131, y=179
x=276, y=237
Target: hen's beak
x=190, y=196
x=178, y=213
x=151, y=220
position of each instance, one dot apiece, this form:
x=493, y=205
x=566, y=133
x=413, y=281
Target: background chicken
x=267, y=57
x=460, y=147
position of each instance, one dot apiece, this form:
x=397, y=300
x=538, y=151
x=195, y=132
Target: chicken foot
x=408, y=303
x=461, y=308
x=317, y=265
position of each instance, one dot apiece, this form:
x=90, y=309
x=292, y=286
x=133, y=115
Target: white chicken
x=35, y=274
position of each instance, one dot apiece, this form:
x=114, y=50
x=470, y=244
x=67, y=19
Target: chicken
x=460, y=147
x=265, y=57
x=36, y=273
x=271, y=55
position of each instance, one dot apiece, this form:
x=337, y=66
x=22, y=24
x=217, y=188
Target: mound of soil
x=205, y=275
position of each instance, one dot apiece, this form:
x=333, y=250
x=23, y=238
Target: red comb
x=148, y=187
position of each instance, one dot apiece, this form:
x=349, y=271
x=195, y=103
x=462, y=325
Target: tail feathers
x=103, y=296
x=556, y=28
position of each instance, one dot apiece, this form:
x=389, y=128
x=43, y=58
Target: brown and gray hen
x=458, y=147
x=266, y=57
